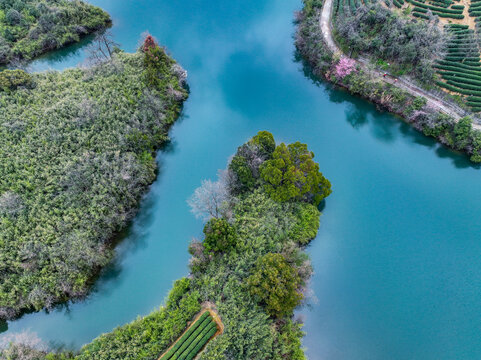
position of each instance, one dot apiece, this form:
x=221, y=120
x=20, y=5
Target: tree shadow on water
x=384, y=125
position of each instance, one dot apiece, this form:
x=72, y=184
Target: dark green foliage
x=76, y=155
x=276, y=283
x=245, y=163
x=220, y=236
x=29, y=28
x=245, y=179
x=293, y=174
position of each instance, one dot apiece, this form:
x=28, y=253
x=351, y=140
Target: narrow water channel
x=397, y=260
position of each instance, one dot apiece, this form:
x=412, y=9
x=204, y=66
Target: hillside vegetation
x=29, y=28
x=250, y=265
x=76, y=155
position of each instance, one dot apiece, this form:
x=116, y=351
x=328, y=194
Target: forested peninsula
x=250, y=267
x=398, y=58
x=77, y=154
x=29, y=28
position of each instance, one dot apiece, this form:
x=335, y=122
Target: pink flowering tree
x=344, y=67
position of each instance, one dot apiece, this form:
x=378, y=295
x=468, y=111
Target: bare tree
x=211, y=199
x=102, y=48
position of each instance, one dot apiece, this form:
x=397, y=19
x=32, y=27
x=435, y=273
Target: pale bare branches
x=102, y=48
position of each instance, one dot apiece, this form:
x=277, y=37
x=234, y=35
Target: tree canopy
x=293, y=174
x=276, y=283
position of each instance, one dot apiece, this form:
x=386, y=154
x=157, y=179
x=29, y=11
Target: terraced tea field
x=460, y=69
x=193, y=340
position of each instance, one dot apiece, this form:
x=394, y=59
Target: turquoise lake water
x=398, y=256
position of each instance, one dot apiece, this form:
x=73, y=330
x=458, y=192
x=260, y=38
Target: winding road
x=402, y=83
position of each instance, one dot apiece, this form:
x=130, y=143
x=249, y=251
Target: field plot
x=193, y=340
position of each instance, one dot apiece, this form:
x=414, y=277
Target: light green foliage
x=293, y=174
x=76, y=155
x=31, y=27
x=265, y=142
x=276, y=283
x=307, y=224
x=289, y=346
x=220, y=236
x=12, y=79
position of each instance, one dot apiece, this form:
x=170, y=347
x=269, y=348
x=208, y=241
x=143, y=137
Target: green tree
x=293, y=174
x=462, y=133
x=220, y=236
x=276, y=283
x=265, y=142
x=245, y=163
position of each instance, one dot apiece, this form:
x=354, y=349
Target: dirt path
x=402, y=83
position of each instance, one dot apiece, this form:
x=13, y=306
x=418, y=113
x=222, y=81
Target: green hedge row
x=201, y=343
x=397, y=4
x=457, y=26
x=435, y=8
x=453, y=87
x=453, y=63
x=461, y=74
x=450, y=16
x=473, y=63
x=420, y=15
x=457, y=69
x=463, y=80
x=420, y=10
x=465, y=86
x=461, y=58
x=457, y=7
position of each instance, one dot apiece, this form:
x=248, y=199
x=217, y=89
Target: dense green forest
x=29, y=28
x=250, y=265
x=76, y=155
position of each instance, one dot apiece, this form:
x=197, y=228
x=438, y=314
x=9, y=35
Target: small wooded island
x=250, y=268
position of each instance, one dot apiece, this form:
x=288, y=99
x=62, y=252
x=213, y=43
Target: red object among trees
x=149, y=43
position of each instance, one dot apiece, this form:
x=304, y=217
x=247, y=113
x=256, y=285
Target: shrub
x=220, y=236
x=13, y=79
x=276, y=283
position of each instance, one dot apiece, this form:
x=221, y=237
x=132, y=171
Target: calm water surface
x=397, y=260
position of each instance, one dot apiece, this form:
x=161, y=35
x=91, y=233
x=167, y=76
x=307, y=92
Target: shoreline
x=317, y=47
